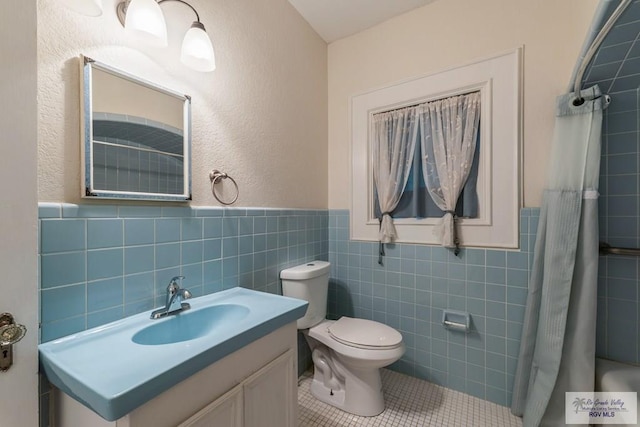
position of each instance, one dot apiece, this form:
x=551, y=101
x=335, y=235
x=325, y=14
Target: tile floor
x=411, y=402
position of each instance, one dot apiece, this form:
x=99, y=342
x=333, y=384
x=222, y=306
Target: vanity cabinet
x=262, y=400
x=266, y=392
x=255, y=386
x=225, y=411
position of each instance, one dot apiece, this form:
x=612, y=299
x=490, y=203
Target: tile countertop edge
x=115, y=407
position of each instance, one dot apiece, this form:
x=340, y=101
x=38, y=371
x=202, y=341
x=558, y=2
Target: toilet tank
x=308, y=282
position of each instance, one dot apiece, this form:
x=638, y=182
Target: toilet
x=347, y=353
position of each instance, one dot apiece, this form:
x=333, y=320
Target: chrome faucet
x=174, y=304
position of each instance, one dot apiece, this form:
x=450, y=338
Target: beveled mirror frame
x=89, y=184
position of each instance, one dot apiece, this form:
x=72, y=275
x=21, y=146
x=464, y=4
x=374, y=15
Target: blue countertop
x=104, y=369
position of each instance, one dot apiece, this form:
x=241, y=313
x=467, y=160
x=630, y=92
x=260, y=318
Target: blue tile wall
x=413, y=287
x=100, y=263
x=616, y=65
x=115, y=261
x=618, y=333
x=616, y=69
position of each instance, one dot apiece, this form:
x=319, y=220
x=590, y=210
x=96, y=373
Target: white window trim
x=499, y=80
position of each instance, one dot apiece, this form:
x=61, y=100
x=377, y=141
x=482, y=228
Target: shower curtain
x=557, y=350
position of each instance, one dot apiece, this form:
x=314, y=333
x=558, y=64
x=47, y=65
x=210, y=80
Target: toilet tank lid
x=306, y=271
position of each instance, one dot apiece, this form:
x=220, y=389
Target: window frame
x=499, y=80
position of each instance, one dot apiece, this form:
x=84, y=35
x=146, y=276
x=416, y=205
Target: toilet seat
x=363, y=354
x=365, y=334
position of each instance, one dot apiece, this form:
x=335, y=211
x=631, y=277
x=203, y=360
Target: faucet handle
x=175, y=279
x=173, y=284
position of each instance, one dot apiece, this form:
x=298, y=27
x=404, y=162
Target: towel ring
x=215, y=176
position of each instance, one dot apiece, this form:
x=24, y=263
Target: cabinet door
x=270, y=395
x=226, y=411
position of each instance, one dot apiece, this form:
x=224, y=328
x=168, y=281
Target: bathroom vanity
x=242, y=371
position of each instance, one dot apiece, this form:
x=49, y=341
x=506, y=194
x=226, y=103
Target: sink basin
x=190, y=324
x=115, y=368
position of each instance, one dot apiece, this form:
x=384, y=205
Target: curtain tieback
x=456, y=241
x=380, y=244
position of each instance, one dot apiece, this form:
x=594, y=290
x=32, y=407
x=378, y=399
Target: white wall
x=261, y=116
x=450, y=33
x=18, y=210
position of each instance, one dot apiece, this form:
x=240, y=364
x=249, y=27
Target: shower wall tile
x=622, y=122
x=622, y=164
x=624, y=101
x=417, y=282
x=618, y=185
x=618, y=277
x=629, y=67
x=620, y=34
x=602, y=72
x=631, y=14
x=625, y=83
x=102, y=263
x=613, y=53
x=616, y=65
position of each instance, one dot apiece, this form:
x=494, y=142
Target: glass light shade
x=197, y=50
x=145, y=18
x=85, y=7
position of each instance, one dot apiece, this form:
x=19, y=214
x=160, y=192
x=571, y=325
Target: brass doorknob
x=10, y=333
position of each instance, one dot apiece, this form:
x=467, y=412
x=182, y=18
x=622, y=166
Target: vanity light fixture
x=145, y=18
x=85, y=7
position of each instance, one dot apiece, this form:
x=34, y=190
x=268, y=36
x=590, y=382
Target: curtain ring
x=215, y=176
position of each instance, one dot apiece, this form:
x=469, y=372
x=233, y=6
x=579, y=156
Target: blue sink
x=119, y=366
x=190, y=324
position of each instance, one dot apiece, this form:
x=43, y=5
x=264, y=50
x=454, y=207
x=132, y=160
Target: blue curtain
x=557, y=349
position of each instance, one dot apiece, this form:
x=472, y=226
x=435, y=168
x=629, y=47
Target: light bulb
x=145, y=18
x=197, y=50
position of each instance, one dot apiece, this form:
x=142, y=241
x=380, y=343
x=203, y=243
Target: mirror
x=136, y=137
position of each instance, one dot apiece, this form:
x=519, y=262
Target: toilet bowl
x=356, y=364
x=348, y=353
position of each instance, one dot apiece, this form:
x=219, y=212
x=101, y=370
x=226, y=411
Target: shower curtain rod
x=595, y=44
x=606, y=249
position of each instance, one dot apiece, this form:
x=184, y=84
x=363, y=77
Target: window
x=416, y=202
x=493, y=220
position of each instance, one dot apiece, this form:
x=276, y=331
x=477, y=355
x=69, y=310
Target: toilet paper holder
x=456, y=320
